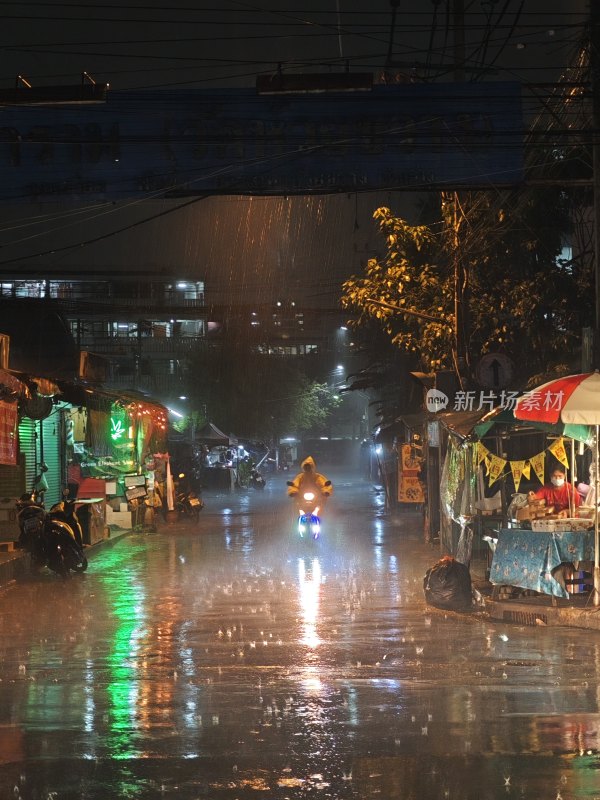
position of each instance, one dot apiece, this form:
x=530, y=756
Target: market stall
x=573, y=399
x=542, y=543
x=221, y=459
x=110, y=443
x=489, y=464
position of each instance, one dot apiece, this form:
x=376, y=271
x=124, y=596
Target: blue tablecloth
x=526, y=558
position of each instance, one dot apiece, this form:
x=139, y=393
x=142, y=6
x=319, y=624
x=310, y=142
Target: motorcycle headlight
x=308, y=496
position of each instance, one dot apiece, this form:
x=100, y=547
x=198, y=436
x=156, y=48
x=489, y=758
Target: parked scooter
x=65, y=512
x=51, y=539
x=187, y=503
x=256, y=480
x=309, y=503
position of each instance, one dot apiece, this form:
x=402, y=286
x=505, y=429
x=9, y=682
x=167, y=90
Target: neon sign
x=117, y=429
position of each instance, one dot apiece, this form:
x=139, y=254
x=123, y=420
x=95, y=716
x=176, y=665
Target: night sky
x=300, y=246
x=227, y=43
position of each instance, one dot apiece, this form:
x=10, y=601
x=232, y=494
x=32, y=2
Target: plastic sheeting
x=458, y=493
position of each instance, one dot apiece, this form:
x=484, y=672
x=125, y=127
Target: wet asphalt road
x=236, y=661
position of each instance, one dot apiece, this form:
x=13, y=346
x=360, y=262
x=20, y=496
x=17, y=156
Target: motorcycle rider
x=309, y=477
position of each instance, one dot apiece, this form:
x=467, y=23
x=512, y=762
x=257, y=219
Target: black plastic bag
x=448, y=585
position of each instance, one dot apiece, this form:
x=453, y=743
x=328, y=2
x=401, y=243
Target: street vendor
x=558, y=493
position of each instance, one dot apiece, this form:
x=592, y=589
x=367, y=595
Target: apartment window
x=29, y=289
x=185, y=290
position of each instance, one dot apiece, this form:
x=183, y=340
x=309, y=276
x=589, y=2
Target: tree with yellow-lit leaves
x=486, y=276
x=408, y=291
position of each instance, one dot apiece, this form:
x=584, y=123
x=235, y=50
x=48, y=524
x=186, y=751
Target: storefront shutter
x=27, y=447
x=35, y=437
x=52, y=437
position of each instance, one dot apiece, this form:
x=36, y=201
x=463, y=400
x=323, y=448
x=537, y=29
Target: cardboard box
x=122, y=519
x=111, y=487
x=123, y=507
x=134, y=480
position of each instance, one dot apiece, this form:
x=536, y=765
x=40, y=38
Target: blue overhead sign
x=178, y=143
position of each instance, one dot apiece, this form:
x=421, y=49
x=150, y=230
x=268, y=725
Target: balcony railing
x=84, y=298
x=131, y=345
x=154, y=384
x=150, y=306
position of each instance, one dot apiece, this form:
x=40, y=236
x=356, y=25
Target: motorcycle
x=187, y=503
x=256, y=479
x=309, y=502
x=52, y=538
x=65, y=511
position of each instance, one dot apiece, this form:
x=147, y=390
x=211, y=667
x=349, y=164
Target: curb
x=14, y=564
x=523, y=613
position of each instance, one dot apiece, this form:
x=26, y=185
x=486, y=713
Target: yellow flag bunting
x=517, y=468
x=557, y=449
x=537, y=462
x=495, y=466
x=482, y=453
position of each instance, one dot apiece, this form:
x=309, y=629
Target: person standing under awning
x=558, y=493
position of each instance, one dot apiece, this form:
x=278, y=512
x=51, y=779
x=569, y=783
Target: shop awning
x=80, y=394
x=461, y=423
x=415, y=420
x=478, y=423
x=12, y=387
x=213, y=436
x=411, y=421
x=45, y=386
x=147, y=405
x=102, y=398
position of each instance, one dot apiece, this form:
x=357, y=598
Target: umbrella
x=574, y=399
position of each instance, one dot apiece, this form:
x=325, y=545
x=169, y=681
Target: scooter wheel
x=82, y=565
x=61, y=569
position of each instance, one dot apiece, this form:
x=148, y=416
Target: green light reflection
x=126, y=598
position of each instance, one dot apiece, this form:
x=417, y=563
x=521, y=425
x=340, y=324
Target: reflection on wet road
x=238, y=661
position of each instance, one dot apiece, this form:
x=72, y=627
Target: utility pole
x=595, y=78
x=450, y=208
x=461, y=277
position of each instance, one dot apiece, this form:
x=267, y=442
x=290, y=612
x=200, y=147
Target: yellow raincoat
x=309, y=477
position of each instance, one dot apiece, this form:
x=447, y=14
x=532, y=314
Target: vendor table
x=527, y=558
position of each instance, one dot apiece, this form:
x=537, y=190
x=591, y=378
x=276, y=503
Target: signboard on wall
x=228, y=141
x=410, y=488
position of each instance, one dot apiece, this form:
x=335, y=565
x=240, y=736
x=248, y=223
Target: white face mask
x=558, y=482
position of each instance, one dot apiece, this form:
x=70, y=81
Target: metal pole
x=595, y=77
x=572, y=507
x=596, y=536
